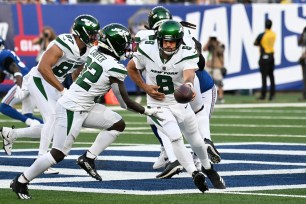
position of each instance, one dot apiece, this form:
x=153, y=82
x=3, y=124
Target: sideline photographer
x=45, y=37
x=302, y=60
x=215, y=63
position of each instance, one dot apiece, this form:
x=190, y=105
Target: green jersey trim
x=40, y=86
x=64, y=44
x=114, y=69
x=143, y=53
x=188, y=58
x=69, y=120
x=137, y=39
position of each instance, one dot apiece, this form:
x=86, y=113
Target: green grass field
x=228, y=125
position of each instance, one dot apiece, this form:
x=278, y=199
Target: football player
x=66, y=54
x=202, y=105
x=11, y=65
x=173, y=66
x=76, y=108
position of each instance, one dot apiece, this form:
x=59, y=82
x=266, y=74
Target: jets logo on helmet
x=117, y=39
x=86, y=27
x=121, y=32
x=89, y=23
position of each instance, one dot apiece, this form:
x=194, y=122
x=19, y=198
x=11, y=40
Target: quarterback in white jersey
x=77, y=108
x=169, y=64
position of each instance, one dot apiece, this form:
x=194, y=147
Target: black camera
x=46, y=35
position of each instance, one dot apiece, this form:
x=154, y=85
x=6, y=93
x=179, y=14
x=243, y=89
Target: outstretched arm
x=14, y=69
x=125, y=101
x=123, y=97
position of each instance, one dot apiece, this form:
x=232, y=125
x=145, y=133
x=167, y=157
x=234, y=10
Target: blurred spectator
x=266, y=41
x=45, y=37
x=215, y=63
x=302, y=60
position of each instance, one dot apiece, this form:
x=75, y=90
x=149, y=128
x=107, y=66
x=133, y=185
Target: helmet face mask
x=170, y=31
x=86, y=27
x=117, y=39
x=157, y=16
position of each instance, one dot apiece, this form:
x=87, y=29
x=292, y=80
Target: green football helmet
x=170, y=31
x=117, y=39
x=86, y=27
x=157, y=16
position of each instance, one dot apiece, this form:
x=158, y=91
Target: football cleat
x=89, y=166
x=21, y=189
x=212, y=151
x=162, y=159
x=171, y=169
x=8, y=140
x=51, y=171
x=199, y=181
x=216, y=180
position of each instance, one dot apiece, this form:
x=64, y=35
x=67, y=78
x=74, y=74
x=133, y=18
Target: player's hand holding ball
x=184, y=93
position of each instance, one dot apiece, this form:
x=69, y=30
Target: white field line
x=215, y=125
x=113, y=175
x=261, y=111
x=271, y=195
x=257, y=126
x=128, y=175
x=155, y=147
x=242, y=117
x=124, y=175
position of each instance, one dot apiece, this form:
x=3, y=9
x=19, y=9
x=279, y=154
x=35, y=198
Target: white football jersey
x=144, y=35
x=93, y=81
x=71, y=58
x=168, y=75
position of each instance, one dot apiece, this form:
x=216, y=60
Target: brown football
x=183, y=94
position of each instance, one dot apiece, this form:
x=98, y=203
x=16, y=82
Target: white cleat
x=51, y=171
x=8, y=140
x=161, y=160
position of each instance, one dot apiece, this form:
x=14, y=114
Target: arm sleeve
x=138, y=61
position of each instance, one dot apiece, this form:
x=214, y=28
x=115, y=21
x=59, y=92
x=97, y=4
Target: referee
x=266, y=41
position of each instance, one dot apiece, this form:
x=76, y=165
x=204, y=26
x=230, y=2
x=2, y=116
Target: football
x=183, y=94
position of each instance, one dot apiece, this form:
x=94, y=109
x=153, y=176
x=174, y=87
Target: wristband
x=17, y=74
x=190, y=84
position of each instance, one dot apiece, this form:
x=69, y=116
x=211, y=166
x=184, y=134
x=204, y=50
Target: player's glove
x=19, y=94
x=153, y=113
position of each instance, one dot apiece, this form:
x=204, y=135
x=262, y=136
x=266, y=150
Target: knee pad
x=57, y=155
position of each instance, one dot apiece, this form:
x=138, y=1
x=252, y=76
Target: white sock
x=168, y=146
x=46, y=135
x=203, y=124
x=198, y=146
x=41, y=164
x=28, y=132
x=183, y=155
x=103, y=140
